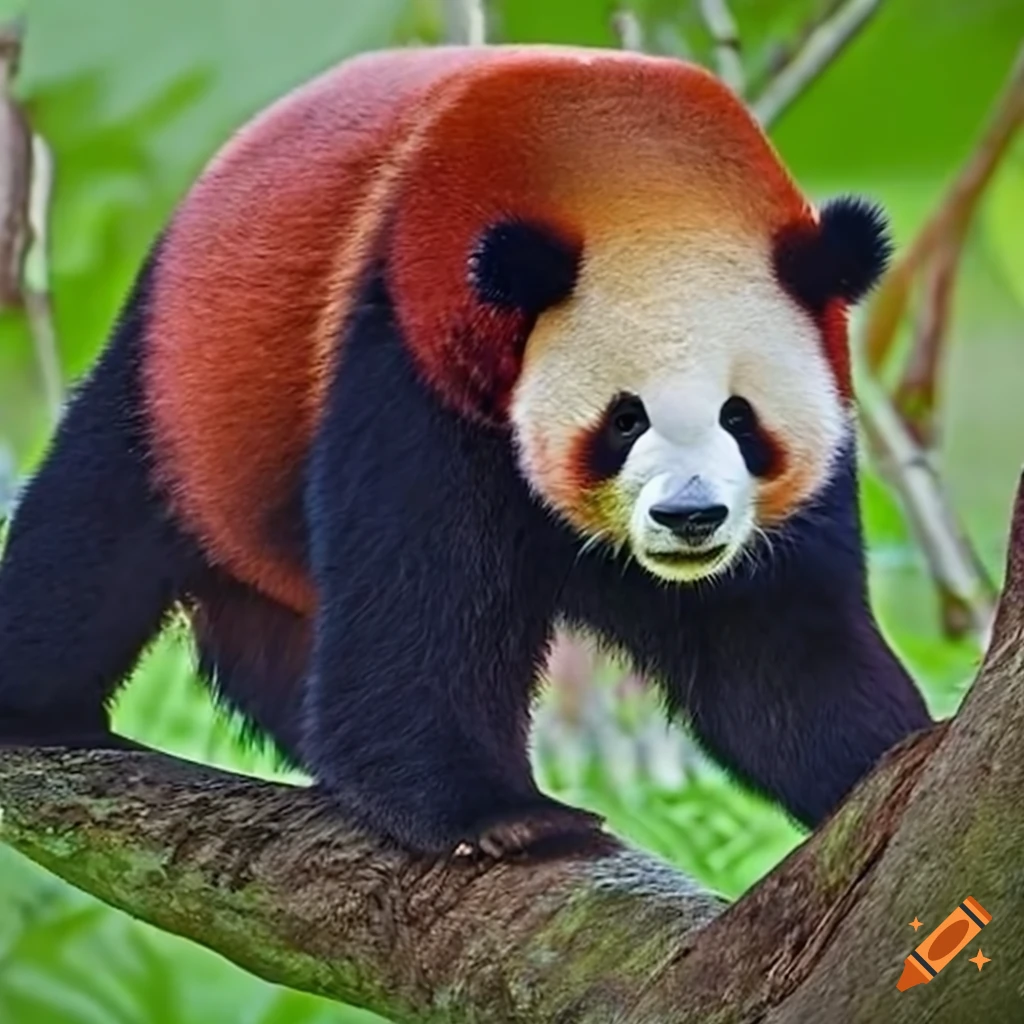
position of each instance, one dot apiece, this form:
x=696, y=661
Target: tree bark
x=269, y=877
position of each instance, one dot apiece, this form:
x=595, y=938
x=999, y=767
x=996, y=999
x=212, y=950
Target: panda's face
x=677, y=403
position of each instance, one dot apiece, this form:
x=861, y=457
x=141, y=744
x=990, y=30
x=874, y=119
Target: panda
x=444, y=349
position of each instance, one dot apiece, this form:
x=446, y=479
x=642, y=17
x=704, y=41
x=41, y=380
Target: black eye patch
x=624, y=422
x=737, y=416
x=843, y=257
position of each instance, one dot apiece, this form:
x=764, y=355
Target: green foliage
x=1004, y=212
x=134, y=95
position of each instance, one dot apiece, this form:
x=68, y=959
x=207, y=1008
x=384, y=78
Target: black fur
x=607, y=446
x=842, y=259
x=439, y=577
x=779, y=667
x=254, y=653
x=92, y=563
x=522, y=266
x=760, y=455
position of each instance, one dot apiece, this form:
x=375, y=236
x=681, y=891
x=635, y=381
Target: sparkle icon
x=980, y=959
x=915, y=924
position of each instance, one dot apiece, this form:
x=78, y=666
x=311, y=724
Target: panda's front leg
x=417, y=712
x=436, y=584
x=784, y=679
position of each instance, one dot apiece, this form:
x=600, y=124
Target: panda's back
x=262, y=261
x=248, y=297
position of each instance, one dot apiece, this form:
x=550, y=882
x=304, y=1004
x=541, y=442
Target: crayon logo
x=962, y=925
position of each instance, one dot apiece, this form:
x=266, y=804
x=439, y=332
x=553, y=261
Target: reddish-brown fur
x=835, y=338
x=424, y=147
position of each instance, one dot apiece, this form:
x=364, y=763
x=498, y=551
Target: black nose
x=690, y=522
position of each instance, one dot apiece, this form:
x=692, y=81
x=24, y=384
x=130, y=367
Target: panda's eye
x=737, y=416
x=761, y=455
x=628, y=420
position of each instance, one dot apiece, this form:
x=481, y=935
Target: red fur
x=235, y=358
x=835, y=337
x=404, y=157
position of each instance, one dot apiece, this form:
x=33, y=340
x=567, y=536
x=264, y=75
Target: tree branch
x=26, y=180
x=38, y=304
x=15, y=172
x=967, y=595
x=902, y=430
x=268, y=876
x=823, y=44
x=627, y=27
x=722, y=27
x=465, y=21
x=947, y=226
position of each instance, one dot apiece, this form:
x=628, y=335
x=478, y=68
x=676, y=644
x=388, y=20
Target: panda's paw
x=549, y=829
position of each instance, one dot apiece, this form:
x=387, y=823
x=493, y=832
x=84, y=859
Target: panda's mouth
x=706, y=556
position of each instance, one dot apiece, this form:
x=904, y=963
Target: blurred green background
x=134, y=95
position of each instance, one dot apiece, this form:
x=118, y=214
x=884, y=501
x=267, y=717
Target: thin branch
x=785, y=50
x=945, y=229
x=37, y=277
x=725, y=34
x=627, y=27
x=466, y=21
x=903, y=430
x=966, y=592
x=26, y=184
x=8, y=487
x=916, y=393
x=15, y=172
x=823, y=45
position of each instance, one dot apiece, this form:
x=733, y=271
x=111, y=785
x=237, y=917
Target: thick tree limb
x=268, y=876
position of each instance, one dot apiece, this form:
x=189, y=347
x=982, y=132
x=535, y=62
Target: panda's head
x=680, y=397
x=653, y=307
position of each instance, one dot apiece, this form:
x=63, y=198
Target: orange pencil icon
x=943, y=944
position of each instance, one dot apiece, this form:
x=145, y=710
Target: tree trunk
x=268, y=876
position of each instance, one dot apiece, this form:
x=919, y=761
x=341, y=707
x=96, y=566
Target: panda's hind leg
x=92, y=564
x=253, y=653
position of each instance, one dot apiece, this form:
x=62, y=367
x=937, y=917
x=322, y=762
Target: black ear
x=843, y=259
x=855, y=243
x=524, y=266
